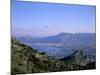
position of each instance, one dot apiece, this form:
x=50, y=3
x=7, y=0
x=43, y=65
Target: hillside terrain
x=25, y=59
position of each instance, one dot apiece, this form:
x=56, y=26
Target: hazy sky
x=43, y=19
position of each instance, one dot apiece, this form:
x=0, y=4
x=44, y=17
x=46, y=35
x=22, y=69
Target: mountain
x=70, y=39
x=67, y=39
x=63, y=44
x=25, y=59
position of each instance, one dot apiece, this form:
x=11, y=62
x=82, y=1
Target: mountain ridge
x=60, y=36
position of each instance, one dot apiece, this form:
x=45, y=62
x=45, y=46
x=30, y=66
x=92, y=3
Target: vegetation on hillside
x=25, y=59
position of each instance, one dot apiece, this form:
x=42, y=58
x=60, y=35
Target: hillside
x=25, y=59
